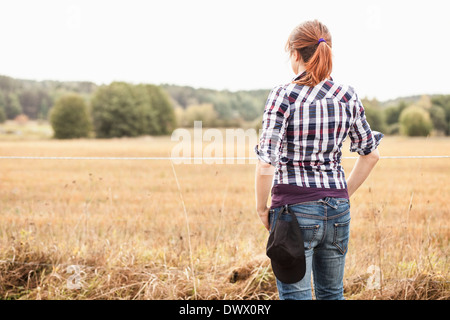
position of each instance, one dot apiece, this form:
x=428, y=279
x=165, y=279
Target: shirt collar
x=299, y=76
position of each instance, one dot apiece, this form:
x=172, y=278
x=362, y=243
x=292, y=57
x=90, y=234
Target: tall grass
x=157, y=230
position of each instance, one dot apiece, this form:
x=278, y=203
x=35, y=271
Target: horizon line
x=206, y=88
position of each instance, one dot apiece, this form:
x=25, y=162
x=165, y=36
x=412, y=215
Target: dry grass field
x=121, y=229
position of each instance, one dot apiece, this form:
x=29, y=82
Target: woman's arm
x=274, y=124
x=361, y=171
x=263, y=184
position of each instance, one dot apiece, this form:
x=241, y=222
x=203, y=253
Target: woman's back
x=304, y=129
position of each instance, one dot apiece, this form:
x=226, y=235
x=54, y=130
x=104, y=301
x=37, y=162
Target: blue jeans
x=325, y=226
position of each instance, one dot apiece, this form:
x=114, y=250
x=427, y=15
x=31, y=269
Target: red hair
x=316, y=54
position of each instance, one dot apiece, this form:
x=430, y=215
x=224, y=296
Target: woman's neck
x=301, y=68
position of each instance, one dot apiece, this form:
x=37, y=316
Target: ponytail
x=313, y=42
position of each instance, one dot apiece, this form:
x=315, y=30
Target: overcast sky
x=385, y=49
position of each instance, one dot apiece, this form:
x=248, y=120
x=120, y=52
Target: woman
x=304, y=125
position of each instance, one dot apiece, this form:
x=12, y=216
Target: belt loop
x=330, y=202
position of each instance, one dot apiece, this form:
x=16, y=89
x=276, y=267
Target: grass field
x=92, y=229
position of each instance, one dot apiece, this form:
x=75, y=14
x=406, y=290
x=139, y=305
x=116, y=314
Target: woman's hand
x=264, y=216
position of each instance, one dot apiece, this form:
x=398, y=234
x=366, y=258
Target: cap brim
x=294, y=273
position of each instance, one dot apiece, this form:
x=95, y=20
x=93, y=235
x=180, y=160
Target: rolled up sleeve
x=363, y=139
x=276, y=113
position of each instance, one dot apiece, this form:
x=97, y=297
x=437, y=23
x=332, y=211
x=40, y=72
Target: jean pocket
x=309, y=233
x=341, y=236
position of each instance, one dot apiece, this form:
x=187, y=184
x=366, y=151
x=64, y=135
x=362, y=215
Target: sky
x=384, y=49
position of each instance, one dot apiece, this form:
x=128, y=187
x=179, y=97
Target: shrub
x=70, y=117
x=415, y=121
x=203, y=112
x=125, y=110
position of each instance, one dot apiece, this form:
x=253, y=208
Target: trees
x=70, y=117
x=115, y=111
x=2, y=114
x=11, y=105
x=374, y=114
x=203, y=112
x=2, y=109
x=122, y=109
x=437, y=115
x=34, y=102
x=392, y=115
x=231, y=108
x=164, y=120
x=415, y=121
x=442, y=101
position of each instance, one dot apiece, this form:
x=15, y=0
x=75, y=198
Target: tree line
x=85, y=109
x=410, y=116
x=216, y=108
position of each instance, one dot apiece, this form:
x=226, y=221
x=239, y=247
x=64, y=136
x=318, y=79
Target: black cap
x=286, y=250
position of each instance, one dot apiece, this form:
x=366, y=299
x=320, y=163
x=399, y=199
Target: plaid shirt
x=303, y=130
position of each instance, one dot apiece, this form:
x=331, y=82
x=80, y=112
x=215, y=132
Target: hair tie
x=321, y=40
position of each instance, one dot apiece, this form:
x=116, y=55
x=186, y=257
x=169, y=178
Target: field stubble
x=92, y=229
